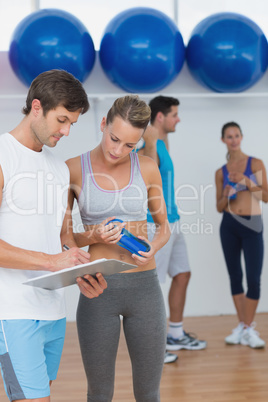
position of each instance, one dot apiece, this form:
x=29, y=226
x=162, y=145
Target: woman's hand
x=144, y=257
x=236, y=177
x=229, y=191
x=108, y=233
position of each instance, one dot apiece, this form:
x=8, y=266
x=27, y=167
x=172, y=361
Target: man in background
x=172, y=259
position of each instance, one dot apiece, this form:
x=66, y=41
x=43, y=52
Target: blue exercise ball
x=51, y=39
x=141, y=50
x=227, y=52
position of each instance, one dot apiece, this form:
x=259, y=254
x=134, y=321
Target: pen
x=65, y=247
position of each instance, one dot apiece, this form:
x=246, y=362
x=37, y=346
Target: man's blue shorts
x=30, y=353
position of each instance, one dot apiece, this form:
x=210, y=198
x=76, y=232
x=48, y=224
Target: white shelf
x=99, y=96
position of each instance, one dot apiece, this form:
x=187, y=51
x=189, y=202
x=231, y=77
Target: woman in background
x=241, y=185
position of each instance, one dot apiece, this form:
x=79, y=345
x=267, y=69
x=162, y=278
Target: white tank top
x=31, y=214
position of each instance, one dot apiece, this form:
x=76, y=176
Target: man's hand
x=70, y=258
x=92, y=287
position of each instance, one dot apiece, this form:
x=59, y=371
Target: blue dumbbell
x=131, y=242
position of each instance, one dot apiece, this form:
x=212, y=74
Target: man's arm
x=150, y=138
x=157, y=207
x=18, y=258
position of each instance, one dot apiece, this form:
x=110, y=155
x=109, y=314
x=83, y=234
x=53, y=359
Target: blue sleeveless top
x=167, y=173
x=248, y=172
x=96, y=204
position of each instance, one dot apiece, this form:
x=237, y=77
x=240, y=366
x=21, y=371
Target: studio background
x=197, y=152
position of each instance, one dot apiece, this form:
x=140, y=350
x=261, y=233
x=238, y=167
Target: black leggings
x=243, y=233
x=138, y=298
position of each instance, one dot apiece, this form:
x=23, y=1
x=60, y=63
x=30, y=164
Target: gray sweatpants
x=138, y=298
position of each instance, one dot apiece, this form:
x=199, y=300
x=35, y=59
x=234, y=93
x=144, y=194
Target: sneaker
x=188, y=341
x=251, y=338
x=170, y=357
x=235, y=337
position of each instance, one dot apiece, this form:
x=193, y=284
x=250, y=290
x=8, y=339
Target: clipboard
x=67, y=276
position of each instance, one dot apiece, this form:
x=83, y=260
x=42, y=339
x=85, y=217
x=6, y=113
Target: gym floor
x=219, y=373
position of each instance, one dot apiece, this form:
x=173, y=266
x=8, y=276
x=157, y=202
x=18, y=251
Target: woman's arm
x=221, y=194
x=156, y=204
x=157, y=207
x=102, y=233
x=90, y=287
x=259, y=190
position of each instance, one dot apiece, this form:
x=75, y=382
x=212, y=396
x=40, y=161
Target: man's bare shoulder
x=147, y=162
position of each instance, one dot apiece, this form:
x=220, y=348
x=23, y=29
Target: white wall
x=197, y=152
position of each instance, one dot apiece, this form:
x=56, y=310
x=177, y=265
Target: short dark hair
x=57, y=88
x=162, y=104
x=227, y=125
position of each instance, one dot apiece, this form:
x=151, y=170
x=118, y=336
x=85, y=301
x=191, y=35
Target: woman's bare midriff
x=101, y=250
x=244, y=204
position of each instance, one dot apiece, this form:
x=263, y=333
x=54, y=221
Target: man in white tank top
x=33, y=200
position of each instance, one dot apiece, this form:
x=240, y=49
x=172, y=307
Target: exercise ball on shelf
x=51, y=39
x=227, y=52
x=141, y=50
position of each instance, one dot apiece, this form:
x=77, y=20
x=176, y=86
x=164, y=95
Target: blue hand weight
x=234, y=185
x=131, y=242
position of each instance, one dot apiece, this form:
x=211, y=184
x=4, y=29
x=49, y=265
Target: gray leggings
x=138, y=298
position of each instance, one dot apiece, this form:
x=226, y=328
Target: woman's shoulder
x=74, y=165
x=73, y=161
x=256, y=163
x=219, y=171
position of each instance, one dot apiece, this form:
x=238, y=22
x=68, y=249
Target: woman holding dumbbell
x=111, y=182
x=241, y=185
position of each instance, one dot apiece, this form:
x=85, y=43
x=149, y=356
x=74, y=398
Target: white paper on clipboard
x=67, y=276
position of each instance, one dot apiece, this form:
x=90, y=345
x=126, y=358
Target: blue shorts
x=30, y=353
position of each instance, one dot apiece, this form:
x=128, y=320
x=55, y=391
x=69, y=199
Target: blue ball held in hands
x=142, y=50
x=227, y=52
x=51, y=39
x=131, y=242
